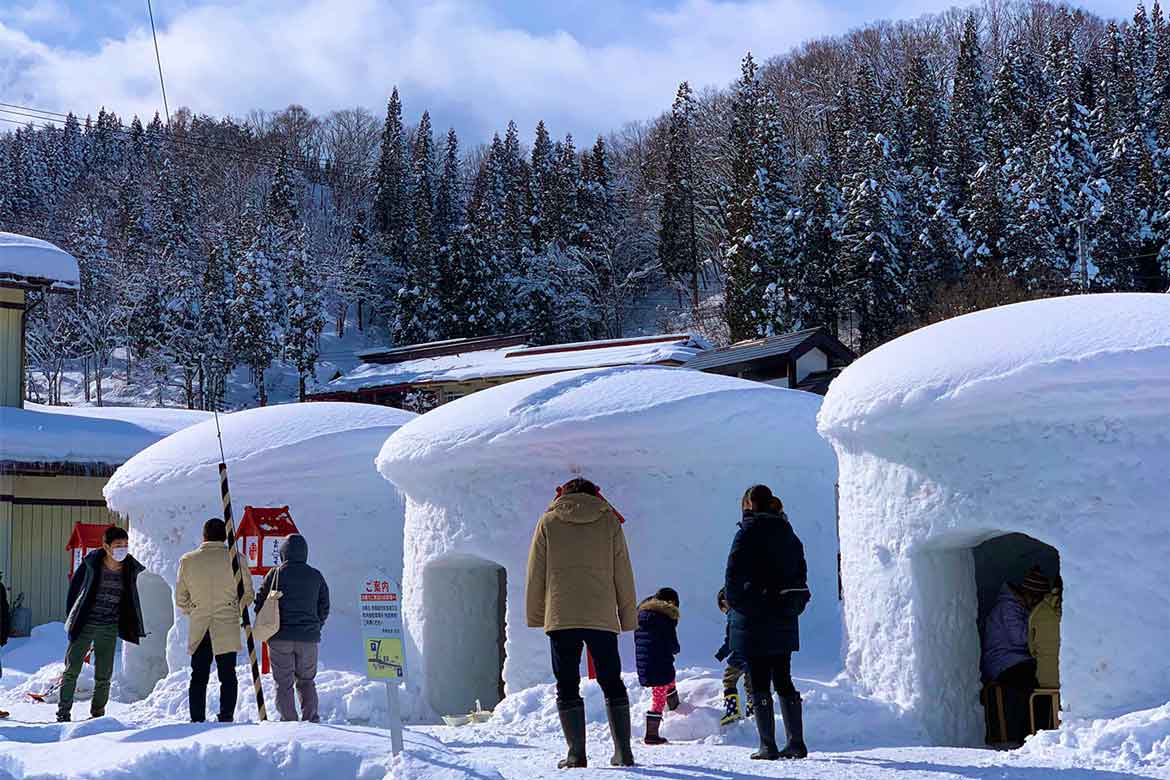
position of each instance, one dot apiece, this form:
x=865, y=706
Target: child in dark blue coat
x=656, y=645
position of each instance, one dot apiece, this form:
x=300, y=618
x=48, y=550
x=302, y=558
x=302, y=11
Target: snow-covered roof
x=636, y=410
x=85, y=435
x=260, y=438
x=1054, y=358
x=25, y=260
x=521, y=361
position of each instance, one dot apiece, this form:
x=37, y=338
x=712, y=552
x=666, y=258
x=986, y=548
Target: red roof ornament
x=85, y=538
x=260, y=534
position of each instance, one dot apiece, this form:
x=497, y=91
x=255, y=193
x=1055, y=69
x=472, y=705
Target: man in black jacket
x=304, y=607
x=102, y=606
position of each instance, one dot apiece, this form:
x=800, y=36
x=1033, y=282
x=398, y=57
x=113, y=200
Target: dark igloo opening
x=1006, y=568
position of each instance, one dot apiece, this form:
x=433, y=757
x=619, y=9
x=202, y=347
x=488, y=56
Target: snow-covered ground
x=852, y=738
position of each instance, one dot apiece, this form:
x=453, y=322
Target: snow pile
x=279, y=751
x=1132, y=742
x=25, y=656
x=317, y=458
x=107, y=434
x=1046, y=419
x=345, y=697
x=521, y=361
x=835, y=716
x=24, y=259
x=673, y=450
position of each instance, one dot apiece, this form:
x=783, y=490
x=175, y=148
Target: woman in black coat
x=767, y=589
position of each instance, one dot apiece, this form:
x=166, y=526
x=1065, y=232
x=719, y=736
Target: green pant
x=103, y=639
x=731, y=677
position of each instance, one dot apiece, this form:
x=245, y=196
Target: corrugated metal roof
x=744, y=351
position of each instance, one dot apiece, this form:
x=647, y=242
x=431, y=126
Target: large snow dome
x=672, y=449
x=971, y=449
x=317, y=458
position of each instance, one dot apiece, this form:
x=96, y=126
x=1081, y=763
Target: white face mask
x=120, y=553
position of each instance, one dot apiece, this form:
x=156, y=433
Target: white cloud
x=454, y=57
x=40, y=16
x=449, y=56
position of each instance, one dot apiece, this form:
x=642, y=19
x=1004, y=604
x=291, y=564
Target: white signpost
x=380, y=607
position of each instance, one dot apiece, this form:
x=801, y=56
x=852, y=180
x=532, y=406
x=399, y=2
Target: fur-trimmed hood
x=662, y=607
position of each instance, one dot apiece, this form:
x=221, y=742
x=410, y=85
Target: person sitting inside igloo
x=1007, y=657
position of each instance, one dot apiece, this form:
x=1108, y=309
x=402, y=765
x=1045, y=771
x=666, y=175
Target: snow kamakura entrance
x=316, y=459
x=1046, y=419
x=467, y=597
x=672, y=449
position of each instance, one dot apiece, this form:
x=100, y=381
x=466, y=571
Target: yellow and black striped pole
x=240, y=574
x=238, y=571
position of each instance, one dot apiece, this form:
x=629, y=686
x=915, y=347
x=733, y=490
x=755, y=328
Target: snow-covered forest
x=895, y=176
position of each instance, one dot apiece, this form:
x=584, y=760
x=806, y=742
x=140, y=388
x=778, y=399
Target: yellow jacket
x=1044, y=640
x=206, y=593
x=579, y=572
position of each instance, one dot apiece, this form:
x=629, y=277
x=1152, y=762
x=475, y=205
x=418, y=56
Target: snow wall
x=315, y=457
x=672, y=449
x=1049, y=418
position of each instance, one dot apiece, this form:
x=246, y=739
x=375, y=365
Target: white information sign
x=380, y=609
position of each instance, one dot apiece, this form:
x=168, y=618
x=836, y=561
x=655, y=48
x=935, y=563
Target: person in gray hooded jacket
x=304, y=608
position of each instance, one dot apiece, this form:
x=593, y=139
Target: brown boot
x=653, y=721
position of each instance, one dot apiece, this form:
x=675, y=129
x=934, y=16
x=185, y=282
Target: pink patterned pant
x=658, y=696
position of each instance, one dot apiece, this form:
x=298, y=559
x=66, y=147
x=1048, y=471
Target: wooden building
x=422, y=376
x=804, y=360
x=54, y=461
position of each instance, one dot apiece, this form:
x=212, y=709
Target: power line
x=158, y=59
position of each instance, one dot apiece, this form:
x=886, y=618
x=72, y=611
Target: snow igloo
x=1036, y=433
x=672, y=449
x=316, y=458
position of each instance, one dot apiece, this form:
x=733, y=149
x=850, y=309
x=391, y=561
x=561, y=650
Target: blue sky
x=584, y=67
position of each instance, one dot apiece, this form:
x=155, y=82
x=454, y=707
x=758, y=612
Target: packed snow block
x=317, y=458
x=673, y=450
x=1049, y=419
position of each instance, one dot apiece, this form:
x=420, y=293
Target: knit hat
x=1036, y=582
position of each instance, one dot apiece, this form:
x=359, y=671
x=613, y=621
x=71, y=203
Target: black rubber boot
x=790, y=710
x=573, y=726
x=766, y=726
x=619, y=729
x=653, y=721
x=672, y=699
